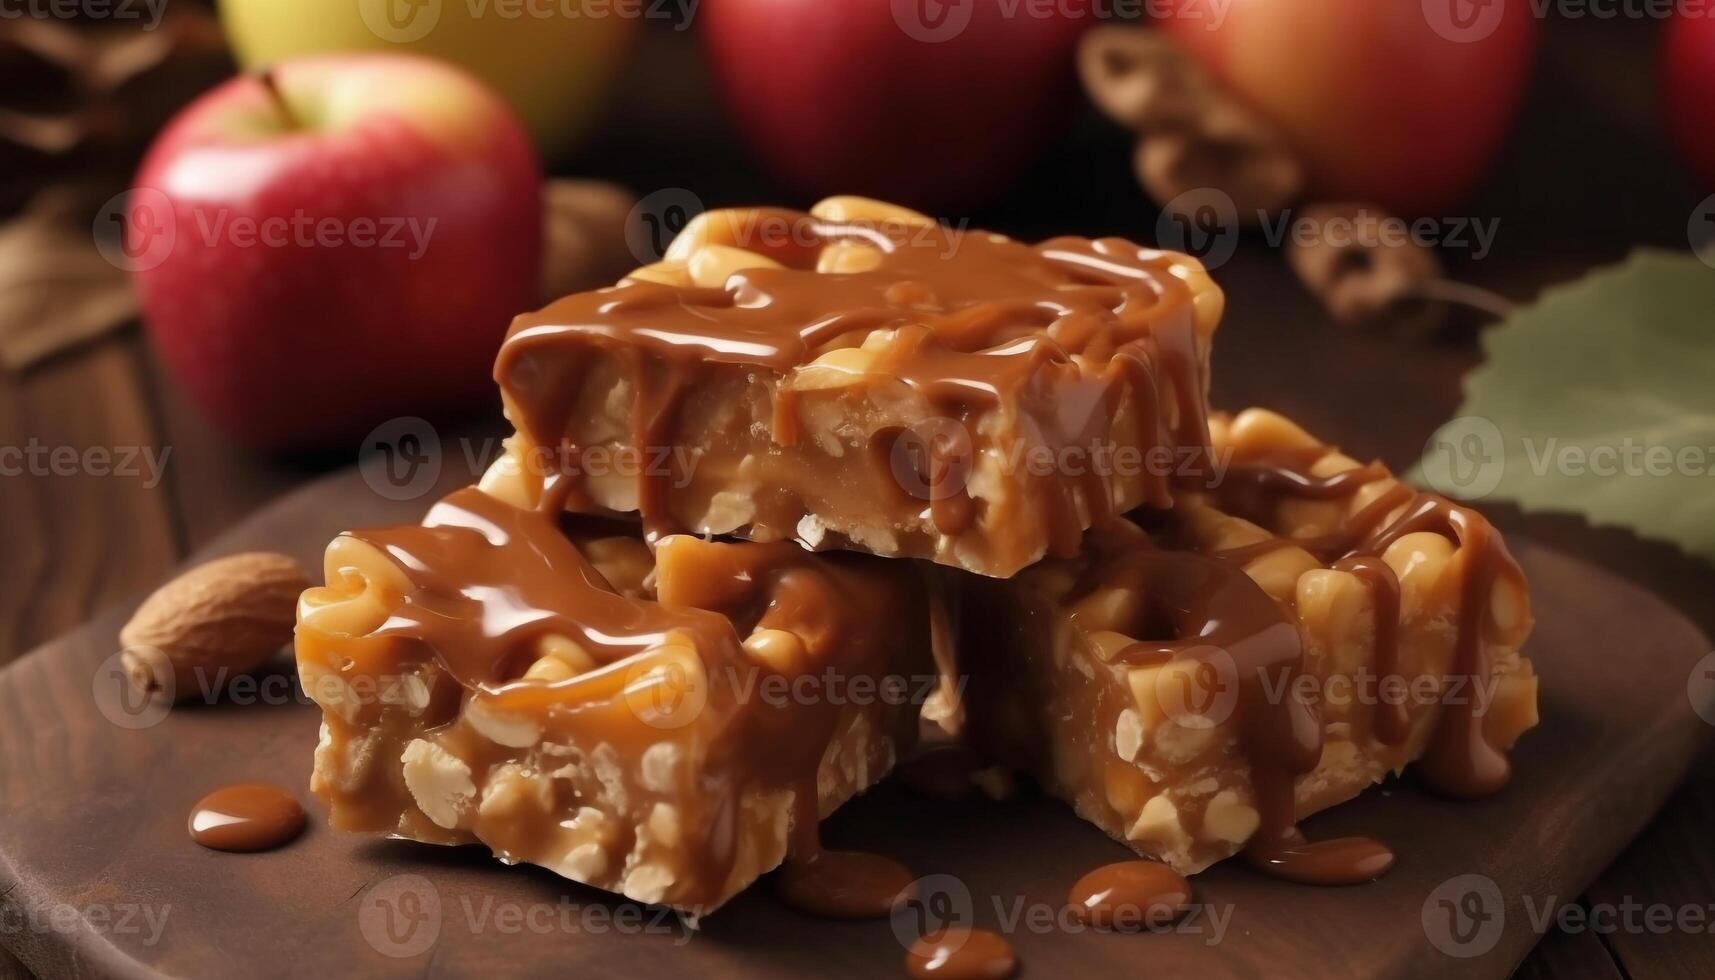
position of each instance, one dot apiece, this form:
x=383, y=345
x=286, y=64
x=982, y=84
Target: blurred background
x=327, y=244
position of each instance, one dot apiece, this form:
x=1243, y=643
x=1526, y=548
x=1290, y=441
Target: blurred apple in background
x=553, y=61
x=339, y=242
x=1400, y=102
x=931, y=103
x=1688, y=89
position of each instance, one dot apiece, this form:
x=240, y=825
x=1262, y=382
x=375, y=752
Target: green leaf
x=1599, y=400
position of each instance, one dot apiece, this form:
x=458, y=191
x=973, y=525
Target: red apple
x=1400, y=102
x=931, y=103
x=1688, y=78
x=335, y=243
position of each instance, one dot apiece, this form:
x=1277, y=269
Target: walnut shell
x=218, y=620
x=1368, y=277
x=1143, y=79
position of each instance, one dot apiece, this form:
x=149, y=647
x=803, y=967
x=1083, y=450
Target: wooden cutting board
x=98, y=877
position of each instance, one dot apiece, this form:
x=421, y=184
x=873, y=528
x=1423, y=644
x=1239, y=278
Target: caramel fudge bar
x=862, y=377
x=1276, y=642
x=660, y=725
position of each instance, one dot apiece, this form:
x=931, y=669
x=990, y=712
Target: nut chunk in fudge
x=862, y=377
x=653, y=725
x=1277, y=642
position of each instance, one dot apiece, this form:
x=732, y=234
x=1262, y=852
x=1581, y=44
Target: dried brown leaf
x=56, y=289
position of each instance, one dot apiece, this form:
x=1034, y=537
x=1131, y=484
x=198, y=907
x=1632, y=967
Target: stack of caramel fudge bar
x=809, y=453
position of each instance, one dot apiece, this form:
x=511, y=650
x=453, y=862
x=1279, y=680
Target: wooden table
x=1587, y=177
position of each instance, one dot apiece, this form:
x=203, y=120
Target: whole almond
x=220, y=619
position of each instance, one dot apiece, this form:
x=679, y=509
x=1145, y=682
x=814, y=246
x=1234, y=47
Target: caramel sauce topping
x=1205, y=607
x=959, y=953
x=844, y=884
x=981, y=320
x=1341, y=861
x=1208, y=609
x=1459, y=761
x=837, y=884
x=492, y=579
x=246, y=817
x=1392, y=722
x=977, y=322
x=1130, y=895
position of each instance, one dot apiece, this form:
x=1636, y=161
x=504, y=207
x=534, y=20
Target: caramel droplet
x=246, y=817
x=1130, y=895
x=1343, y=861
x=845, y=885
x=958, y=953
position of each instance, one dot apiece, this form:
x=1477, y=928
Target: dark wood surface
x=1585, y=178
x=92, y=814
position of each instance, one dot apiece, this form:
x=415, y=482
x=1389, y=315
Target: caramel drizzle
x=491, y=579
x=1207, y=609
x=837, y=884
x=980, y=317
x=1392, y=720
x=1460, y=761
x=246, y=817
x=1130, y=895
x=961, y=953
x=1203, y=602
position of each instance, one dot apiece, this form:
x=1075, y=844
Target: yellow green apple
x=553, y=60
